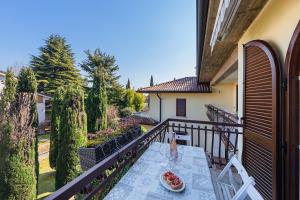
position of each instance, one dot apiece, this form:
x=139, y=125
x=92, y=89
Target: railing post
x=198, y=135
x=192, y=135
x=236, y=140
x=205, y=139
x=227, y=144
x=212, y=145
x=220, y=139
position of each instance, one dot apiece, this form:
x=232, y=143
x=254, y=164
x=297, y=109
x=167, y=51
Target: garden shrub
x=112, y=115
x=125, y=112
x=138, y=101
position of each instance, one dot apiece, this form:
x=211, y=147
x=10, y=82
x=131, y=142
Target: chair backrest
x=248, y=182
x=239, y=167
x=179, y=137
x=248, y=189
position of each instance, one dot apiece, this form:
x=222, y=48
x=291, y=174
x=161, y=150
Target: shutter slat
x=260, y=112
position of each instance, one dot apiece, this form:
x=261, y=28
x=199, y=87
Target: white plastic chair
x=186, y=138
x=228, y=191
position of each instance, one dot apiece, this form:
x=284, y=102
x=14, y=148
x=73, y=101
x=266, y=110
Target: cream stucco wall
x=274, y=24
x=222, y=97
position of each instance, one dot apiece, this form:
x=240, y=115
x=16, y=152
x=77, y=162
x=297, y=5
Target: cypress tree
x=97, y=103
x=55, y=124
x=55, y=65
x=18, y=134
x=128, y=85
x=6, y=127
x=73, y=134
x=151, y=81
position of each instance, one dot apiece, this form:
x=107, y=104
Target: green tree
x=73, y=134
x=128, y=85
x=151, y=81
x=97, y=103
x=18, y=136
x=128, y=98
x=138, y=101
x=107, y=63
x=55, y=65
x=55, y=125
x=6, y=128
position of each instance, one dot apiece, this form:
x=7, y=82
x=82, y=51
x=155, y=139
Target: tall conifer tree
x=18, y=135
x=98, y=59
x=73, y=134
x=97, y=103
x=128, y=86
x=151, y=81
x=55, y=125
x=55, y=65
x=6, y=99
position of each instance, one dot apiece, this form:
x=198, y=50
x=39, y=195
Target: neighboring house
x=2, y=78
x=186, y=99
x=43, y=101
x=43, y=106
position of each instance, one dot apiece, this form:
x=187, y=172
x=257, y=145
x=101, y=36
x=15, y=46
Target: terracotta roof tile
x=183, y=85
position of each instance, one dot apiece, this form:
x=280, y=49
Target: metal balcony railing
x=216, y=114
x=98, y=180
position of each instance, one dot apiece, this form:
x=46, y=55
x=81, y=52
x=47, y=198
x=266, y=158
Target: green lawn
x=46, y=179
x=44, y=137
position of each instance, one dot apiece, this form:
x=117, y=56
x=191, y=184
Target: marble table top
x=142, y=181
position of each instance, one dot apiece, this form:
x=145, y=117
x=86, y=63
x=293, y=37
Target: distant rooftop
x=183, y=85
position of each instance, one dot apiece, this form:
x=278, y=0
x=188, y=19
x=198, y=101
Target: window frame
x=180, y=102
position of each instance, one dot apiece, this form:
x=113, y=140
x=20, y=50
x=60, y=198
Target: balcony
x=98, y=180
x=216, y=114
x=220, y=116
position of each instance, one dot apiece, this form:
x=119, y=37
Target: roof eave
x=174, y=91
x=201, y=19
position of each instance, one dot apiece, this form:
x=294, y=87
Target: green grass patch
x=44, y=137
x=46, y=180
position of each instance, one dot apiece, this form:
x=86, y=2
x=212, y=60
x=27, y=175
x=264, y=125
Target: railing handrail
x=206, y=122
x=232, y=118
x=222, y=111
x=72, y=188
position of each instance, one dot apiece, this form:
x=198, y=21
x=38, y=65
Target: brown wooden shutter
x=261, y=98
x=181, y=107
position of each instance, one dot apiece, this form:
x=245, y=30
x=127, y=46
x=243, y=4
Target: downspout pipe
x=159, y=97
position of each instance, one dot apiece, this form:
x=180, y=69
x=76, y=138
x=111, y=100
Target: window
x=181, y=107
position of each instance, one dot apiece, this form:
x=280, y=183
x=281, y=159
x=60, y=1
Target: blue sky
x=147, y=37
